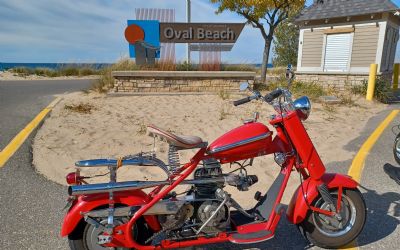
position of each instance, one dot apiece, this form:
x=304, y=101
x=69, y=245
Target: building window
x=338, y=52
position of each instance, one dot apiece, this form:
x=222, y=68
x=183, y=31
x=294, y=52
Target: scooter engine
x=211, y=169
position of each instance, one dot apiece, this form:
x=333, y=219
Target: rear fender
x=90, y=202
x=298, y=206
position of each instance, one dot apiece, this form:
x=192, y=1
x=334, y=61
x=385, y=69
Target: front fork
x=327, y=197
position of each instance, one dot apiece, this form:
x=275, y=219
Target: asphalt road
x=30, y=205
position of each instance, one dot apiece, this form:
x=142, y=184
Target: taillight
x=74, y=178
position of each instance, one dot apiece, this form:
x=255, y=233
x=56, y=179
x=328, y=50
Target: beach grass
x=298, y=88
x=57, y=72
x=382, y=89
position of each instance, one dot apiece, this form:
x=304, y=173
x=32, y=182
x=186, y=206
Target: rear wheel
x=330, y=232
x=85, y=236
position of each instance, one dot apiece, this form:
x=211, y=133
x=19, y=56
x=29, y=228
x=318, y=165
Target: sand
x=116, y=127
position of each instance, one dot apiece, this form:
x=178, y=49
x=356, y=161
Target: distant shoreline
x=7, y=66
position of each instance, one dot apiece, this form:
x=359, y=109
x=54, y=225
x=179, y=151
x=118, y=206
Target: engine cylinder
x=211, y=169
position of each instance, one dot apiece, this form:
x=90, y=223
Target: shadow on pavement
x=287, y=236
x=383, y=216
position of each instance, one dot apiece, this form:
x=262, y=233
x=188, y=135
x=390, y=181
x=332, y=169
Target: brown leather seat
x=180, y=141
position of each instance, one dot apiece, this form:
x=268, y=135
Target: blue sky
x=92, y=30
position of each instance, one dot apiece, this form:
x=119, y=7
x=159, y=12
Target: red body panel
x=249, y=150
x=303, y=144
x=91, y=202
x=298, y=206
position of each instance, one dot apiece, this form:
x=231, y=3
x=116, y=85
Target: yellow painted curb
x=19, y=139
x=357, y=165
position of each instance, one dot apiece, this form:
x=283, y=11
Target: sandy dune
x=116, y=127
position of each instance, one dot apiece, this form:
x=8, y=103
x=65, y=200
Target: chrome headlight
x=303, y=107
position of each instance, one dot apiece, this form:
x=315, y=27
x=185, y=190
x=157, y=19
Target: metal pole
x=396, y=76
x=188, y=20
x=371, y=82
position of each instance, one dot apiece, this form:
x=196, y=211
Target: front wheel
x=396, y=149
x=329, y=232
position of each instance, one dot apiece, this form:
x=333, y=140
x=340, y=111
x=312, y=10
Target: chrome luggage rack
x=140, y=159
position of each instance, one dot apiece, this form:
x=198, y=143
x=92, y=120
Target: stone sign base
x=180, y=81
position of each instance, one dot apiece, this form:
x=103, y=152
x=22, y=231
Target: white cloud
x=92, y=30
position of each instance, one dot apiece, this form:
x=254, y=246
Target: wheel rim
x=398, y=148
x=330, y=225
x=91, y=234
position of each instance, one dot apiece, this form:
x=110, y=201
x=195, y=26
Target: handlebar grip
x=274, y=94
x=242, y=101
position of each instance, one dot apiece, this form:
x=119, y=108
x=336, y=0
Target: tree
x=273, y=12
x=286, y=44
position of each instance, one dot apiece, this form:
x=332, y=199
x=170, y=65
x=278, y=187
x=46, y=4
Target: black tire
x=76, y=239
x=313, y=225
x=396, y=149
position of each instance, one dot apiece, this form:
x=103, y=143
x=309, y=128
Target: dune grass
x=298, y=88
x=58, y=72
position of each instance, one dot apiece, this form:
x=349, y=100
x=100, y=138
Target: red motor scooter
x=327, y=207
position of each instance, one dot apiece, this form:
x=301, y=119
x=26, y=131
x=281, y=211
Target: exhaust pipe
x=134, y=185
x=112, y=187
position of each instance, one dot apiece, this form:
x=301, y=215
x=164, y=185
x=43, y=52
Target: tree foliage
x=286, y=44
x=265, y=15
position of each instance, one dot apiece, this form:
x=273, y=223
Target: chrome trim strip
x=240, y=143
x=140, y=161
x=112, y=187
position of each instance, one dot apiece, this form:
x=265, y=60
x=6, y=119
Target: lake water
x=6, y=66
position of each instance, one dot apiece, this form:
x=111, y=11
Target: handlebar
x=273, y=95
x=268, y=98
x=242, y=101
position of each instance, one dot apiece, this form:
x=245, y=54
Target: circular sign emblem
x=134, y=33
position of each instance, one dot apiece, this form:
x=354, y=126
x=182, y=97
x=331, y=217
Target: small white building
x=340, y=39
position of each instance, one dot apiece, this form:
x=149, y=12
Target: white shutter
x=337, y=52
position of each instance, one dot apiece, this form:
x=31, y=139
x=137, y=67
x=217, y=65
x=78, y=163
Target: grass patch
x=281, y=71
x=382, y=89
x=238, y=67
x=312, y=90
x=82, y=108
x=142, y=128
x=224, y=95
x=60, y=71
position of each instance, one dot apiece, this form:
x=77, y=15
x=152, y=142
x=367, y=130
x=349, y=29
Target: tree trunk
x=267, y=48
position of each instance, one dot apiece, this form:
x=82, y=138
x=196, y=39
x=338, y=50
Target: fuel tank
x=247, y=141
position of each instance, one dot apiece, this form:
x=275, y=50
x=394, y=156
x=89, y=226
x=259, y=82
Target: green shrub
x=382, y=89
x=238, y=67
x=185, y=66
x=312, y=90
x=69, y=71
x=45, y=72
x=21, y=71
x=87, y=71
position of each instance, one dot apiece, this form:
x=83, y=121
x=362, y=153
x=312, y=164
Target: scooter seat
x=180, y=141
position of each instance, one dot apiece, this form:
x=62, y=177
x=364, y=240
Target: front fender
x=87, y=203
x=298, y=207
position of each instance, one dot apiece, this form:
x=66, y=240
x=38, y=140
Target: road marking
x=19, y=139
x=357, y=165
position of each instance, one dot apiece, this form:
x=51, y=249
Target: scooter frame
x=291, y=139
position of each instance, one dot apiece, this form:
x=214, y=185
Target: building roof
x=343, y=8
